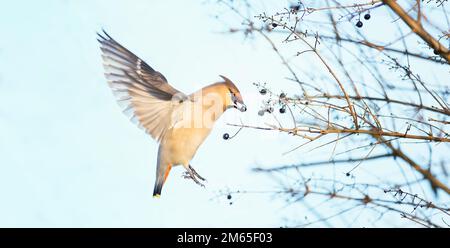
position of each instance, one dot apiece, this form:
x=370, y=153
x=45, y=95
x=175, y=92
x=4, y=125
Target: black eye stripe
x=233, y=94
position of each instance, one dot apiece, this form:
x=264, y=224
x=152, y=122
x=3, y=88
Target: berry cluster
x=269, y=109
x=359, y=24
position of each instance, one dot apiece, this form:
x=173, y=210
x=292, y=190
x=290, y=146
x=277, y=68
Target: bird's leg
x=196, y=174
x=186, y=175
x=189, y=174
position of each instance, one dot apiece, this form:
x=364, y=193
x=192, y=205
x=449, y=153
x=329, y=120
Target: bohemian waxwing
x=179, y=122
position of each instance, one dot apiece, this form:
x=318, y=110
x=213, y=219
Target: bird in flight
x=179, y=122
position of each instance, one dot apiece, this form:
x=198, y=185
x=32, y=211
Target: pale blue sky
x=68, y=155
x=70, y=158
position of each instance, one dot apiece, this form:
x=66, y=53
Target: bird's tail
x=161, y=176
x=158, y=188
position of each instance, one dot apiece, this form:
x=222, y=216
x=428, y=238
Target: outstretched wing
x=145, y=94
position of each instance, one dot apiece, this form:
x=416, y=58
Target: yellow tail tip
x=157, y=196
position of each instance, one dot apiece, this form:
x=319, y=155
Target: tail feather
x=161, y=176
x=158, y=188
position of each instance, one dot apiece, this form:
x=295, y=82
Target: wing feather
x=143, y=93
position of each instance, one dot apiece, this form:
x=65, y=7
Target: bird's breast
x=181, y=144
x=192, y=122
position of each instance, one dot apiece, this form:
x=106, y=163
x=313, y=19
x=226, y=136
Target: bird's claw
x=186, y=175
x=193, y=175
x=196, y=174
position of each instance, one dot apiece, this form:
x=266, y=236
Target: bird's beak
x=240, y=106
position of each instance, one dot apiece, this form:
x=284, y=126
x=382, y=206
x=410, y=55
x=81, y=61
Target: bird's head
x=234, y=97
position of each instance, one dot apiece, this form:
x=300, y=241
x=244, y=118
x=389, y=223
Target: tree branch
x=417, y=28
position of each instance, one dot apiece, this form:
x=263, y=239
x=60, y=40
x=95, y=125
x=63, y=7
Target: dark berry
x=226, y=136
x=282, y=95
x=274, y=25
x=359, y=24
x=347, y=174
x=367, y=16
x=295, y=7
x=436, y=52
x=263, y=91
x=229, y=197
x=282, y=110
